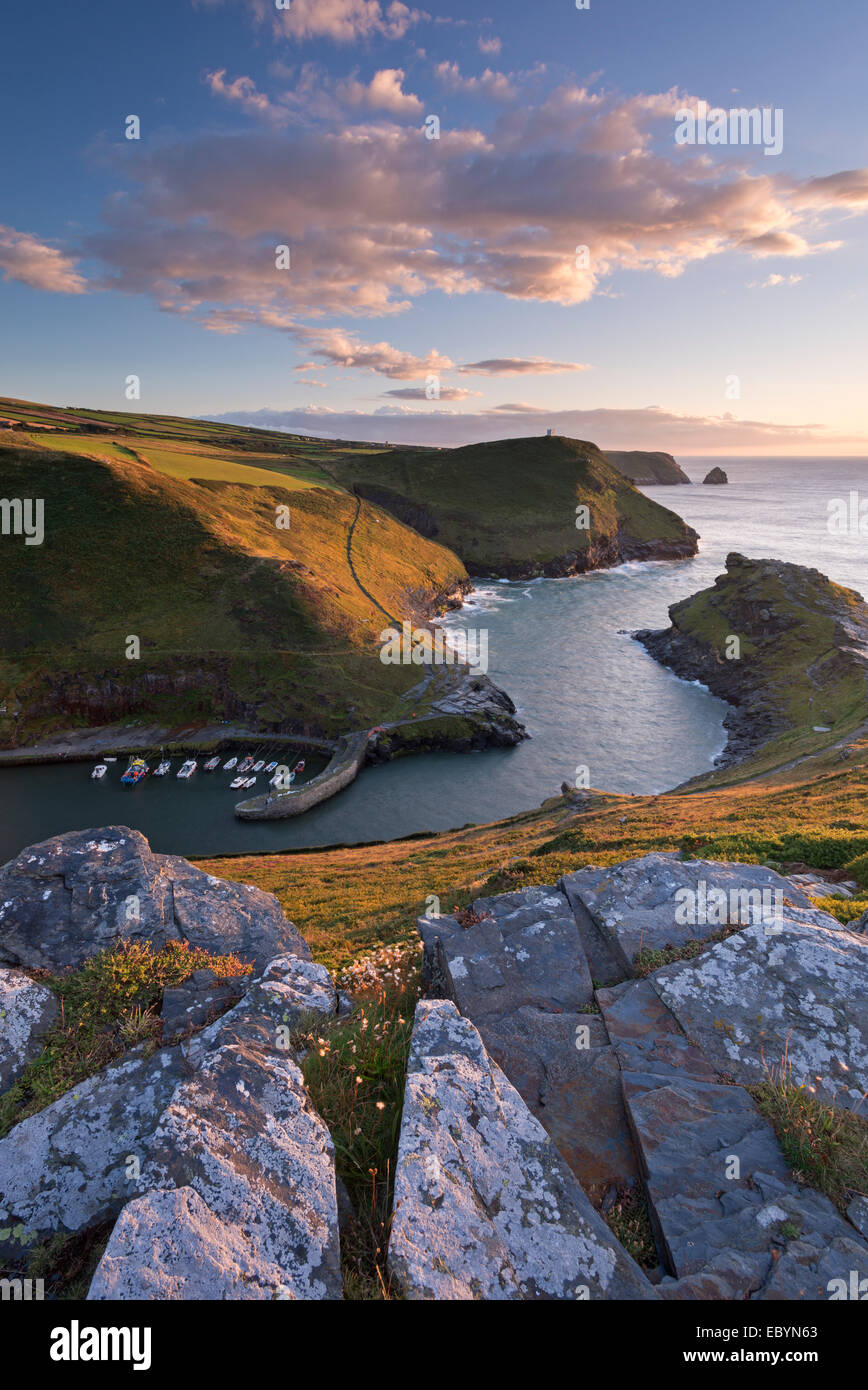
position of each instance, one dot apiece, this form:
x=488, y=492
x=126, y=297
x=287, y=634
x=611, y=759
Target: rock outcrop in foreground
x=77, y=894
x=552, y=1084
x=640, y=1082
x=207, y=1154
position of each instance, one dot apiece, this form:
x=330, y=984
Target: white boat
x=269, y=767
x=211, y=764
x=276, y=781
x=107, y=759
x=165, y=766
x=249, y=781
x=188, y=768
x=227, y=767
x=257, y=767
x=246, y=764
x=99, y=772
x=238, y=782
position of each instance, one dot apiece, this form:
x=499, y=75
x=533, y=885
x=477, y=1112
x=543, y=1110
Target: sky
x=559, y=256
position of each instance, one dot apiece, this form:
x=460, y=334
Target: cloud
x=383, y=93
x=490, y=45
x=492, y=84
x=337, y=348
x=772, y=281
x=647, y=428
x=241, y=90
x=344, y=21
x=32, y=262
x=419, y=393
x=519, y=366
x=377, y=216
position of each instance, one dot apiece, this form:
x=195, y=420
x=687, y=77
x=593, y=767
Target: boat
x=269, y=767
x=249, y=781
x=107, y=759
x=299, y=767
x=237, y=782
x=257, y=767
x=278, y=781
x=211, y=764
x=137, y=769
x=188, y=768
x=99, y=772
x=227, y=767
x=246, y=764
x=165, y=766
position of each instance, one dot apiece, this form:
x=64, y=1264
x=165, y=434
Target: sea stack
x=716, y=475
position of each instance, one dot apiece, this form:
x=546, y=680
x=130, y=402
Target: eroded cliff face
x=651, y=467
x=782, y=644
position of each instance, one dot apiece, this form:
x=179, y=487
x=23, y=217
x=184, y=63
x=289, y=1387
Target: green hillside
x=509, y=507
x=236, y=617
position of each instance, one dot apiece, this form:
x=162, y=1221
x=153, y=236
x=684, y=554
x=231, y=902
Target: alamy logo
x=422, y=646
x=738, y=126
x=77, y=1343
x=856, y=1290
x=22, y=1290
x=23, y=517
x=847, y=516
x=703, y=906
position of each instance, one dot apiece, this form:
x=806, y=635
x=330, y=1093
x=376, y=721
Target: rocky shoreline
x=766, y=628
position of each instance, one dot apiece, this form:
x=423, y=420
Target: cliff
x=510, y=507
x=786, y=647
x=644, y=467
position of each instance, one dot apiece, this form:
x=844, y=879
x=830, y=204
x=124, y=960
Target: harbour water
x=589, y=695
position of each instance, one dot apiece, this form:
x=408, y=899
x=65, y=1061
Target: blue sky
x=449, y=259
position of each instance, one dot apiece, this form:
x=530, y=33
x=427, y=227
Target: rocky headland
x=783, y=645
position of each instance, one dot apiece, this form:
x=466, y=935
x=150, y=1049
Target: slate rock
x=81, y=1159
x=74, y=895
x=27, y=1012
x=567, y=1074
x=748, y=1230
x=643, y=903
x=195, y=1002
x=752, y=1000
x=524, y=950
x=858, y=1214
x=170, y=1245
x=484, y=1206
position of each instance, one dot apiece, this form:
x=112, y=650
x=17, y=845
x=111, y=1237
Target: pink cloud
x=25, y=258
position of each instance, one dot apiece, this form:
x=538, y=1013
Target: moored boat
x=188, y=768
x=237, y=782
x=227, y=767
x=257, y=767
x=269, y=767
x=249, y=781
x=137, y=769
x=165, y=766
x=99, y=772
x=299, y=767
x=246, y=764
x=211, y=764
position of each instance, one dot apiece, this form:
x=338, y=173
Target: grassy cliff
x=785, y=646
x=509, y=507
x=647, y=466
x=236, y=616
